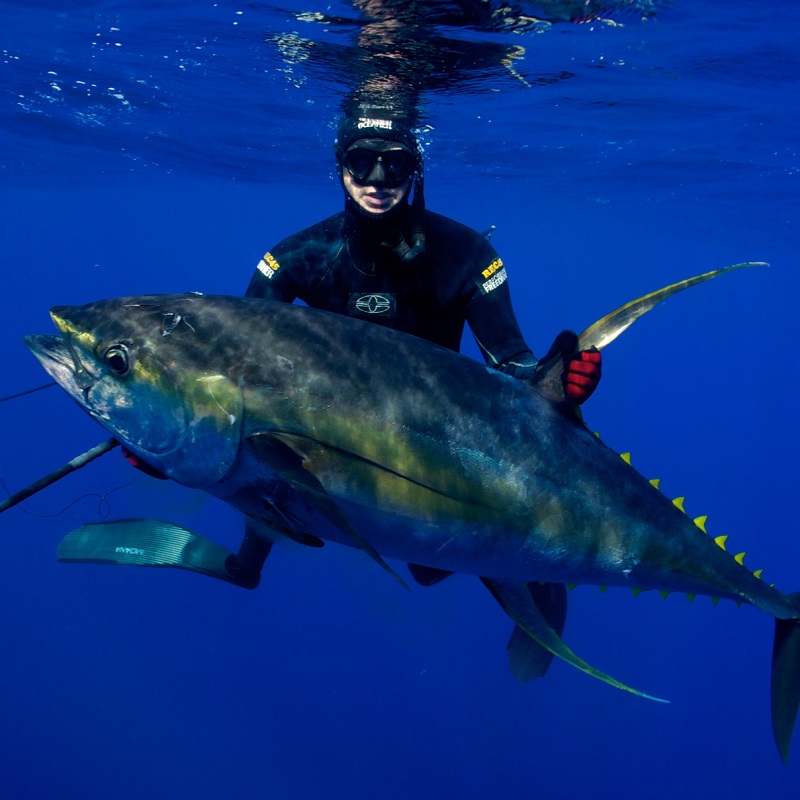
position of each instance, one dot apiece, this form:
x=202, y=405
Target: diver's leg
x=244, y=567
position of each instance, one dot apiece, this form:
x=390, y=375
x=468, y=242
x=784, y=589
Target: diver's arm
x=297, y=263
x=493, y=323
x=270, y=281
x=490, y=316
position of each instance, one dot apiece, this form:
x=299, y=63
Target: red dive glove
x=582, y=374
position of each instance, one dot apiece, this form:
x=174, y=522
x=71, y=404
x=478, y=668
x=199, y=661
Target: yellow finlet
x=715, y=600
x=691, y=597
x=664, y=594
x=720, y=541
x=571, y=586
x=758, y=573
x=678, y=503
x=603, y=589
x=739, y=558
x=701, y=522
x=655, y=482
x=626, y=457
x=637, y=592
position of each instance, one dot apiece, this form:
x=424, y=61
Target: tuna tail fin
x=785, y=681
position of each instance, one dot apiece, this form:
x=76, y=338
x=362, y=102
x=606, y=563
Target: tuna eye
x=116, y=359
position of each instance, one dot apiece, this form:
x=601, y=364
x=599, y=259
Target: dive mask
x=389, y=164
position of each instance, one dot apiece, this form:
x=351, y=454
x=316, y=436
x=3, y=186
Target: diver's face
x=374, y=198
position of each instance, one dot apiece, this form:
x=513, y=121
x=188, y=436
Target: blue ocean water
x=159, y=147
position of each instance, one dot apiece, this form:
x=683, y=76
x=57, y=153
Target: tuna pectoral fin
x=527, y=659
x=785, y=682
x=516, y=601
x=150, y=543
x=288, y=464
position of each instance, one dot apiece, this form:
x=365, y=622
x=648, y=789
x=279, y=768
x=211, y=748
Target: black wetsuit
x=342, y=265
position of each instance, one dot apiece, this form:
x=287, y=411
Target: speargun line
x=27, y=391
x=56, y=475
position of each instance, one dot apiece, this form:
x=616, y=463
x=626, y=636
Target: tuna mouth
x=61, y=363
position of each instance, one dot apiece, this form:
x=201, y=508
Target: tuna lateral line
x=57, y=474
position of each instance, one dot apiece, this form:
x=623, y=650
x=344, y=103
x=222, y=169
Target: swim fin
x=527, y=659
x=152, y=543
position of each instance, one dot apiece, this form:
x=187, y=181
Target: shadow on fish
x=319, y=428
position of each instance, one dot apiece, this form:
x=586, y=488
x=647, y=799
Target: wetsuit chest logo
x=371, y=304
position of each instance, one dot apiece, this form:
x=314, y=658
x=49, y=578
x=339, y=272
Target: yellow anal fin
x=516, y=602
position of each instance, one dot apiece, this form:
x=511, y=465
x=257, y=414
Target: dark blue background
x=329, y=681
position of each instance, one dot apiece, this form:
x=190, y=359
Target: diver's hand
x=582, y=374
x=135, y=461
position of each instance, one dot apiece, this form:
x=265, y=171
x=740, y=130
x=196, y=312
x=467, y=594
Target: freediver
x=388, y=260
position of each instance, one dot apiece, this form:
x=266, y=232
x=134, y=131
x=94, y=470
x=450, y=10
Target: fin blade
x=146, y=543
x=527, y=659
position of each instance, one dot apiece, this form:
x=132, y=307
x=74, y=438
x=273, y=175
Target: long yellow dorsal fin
x=720, y=540
x=739, y=558
x=678, y=503
x=701, y=523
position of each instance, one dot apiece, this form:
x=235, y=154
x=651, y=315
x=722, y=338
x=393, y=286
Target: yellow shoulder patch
x=268, y=265
x=492, y=268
